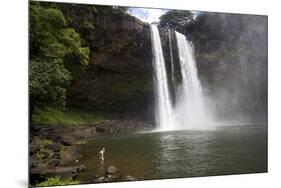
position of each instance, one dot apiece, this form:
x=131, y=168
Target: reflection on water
x=184, y=154
x=230, y=150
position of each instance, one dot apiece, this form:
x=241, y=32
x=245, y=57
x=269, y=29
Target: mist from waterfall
x=189, y=110
x=164, y=119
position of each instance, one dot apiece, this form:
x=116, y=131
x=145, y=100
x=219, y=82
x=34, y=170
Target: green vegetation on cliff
x=53, y=116
x=179, y=20
x=56, y=181
x=51, y=43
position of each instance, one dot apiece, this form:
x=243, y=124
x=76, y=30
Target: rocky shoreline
x=53, y=147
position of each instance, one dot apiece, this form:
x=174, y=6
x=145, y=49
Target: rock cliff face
x=119, y=77
x=230, y=51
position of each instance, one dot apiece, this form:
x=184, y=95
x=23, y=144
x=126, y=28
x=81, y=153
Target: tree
x=179, y=20
x=51, y=44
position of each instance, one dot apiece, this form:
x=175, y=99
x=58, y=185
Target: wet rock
x=34, y=161
x=54, y=162
x=63, y=172
x=102, y=180
x=129, y=178
x=100, y=129
x=67, y=141
x=40, y=170
x=81, y=168
x=85, y=132
x=38, y=174
x=69, y=154
x=111, y=170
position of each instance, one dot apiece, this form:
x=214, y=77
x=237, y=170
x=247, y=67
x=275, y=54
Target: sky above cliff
x=152, y=15
x=146, y=14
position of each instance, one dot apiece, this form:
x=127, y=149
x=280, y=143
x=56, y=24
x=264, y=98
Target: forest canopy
x=179, y=20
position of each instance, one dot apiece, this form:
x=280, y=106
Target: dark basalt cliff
x=119, y=77
x=230, y=50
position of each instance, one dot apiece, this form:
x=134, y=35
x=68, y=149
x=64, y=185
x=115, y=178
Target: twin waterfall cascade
x=188, y=112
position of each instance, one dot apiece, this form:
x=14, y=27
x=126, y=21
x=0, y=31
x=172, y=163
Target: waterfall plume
x=189, y=110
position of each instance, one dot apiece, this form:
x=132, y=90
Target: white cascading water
x=190, y=110
x=164, y=112
x=171, y=58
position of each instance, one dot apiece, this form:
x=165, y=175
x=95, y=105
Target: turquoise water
x=157, y=155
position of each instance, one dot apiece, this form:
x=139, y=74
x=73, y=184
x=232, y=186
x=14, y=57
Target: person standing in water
x=101, y=154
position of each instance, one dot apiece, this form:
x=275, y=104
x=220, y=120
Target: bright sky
x=147, y=15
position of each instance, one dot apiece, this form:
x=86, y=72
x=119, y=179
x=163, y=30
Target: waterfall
x=163, y=110
x=190, y=110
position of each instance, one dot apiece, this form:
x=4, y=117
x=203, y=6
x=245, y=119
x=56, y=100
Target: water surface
x=156, y=155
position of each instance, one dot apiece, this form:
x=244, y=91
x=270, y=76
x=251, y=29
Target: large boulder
x=41, y=173
x=63, y=172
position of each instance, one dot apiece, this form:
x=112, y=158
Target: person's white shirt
x=101, y=154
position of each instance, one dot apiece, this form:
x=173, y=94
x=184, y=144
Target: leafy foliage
x=51, y=44
x=53, y=181
x=179, y=20
x=42, y=151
